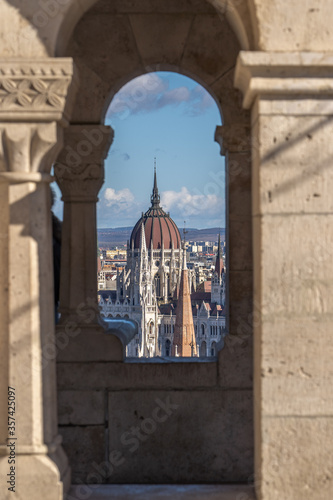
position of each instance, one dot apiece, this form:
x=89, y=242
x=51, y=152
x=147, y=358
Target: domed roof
x=159, y=227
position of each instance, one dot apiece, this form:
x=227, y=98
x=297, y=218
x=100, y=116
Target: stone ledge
x=282, y=74
x=163, y=492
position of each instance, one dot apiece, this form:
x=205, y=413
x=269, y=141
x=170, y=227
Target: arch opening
x=183, y=189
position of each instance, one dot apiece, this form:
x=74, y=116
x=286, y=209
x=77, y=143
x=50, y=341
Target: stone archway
x=297, y=113
x=197, y=50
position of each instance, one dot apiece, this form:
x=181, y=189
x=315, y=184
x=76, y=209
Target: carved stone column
x=236, y=358
x=79, y=172
x=291, y=98
x=33, y=101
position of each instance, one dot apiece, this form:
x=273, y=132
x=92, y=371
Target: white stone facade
x=146, y=287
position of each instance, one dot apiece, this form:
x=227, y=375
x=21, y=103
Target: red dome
x=159, y=227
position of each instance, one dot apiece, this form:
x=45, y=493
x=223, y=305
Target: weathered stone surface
x=292, y=164
x=118, y=43
x=33, y=103
x=76, y=345
x=238, y=168
x=81, y=407
x=154, y=37
x=205, y=437
x=204, y=58
x=234, y=138
x=240, y=248
x=297, y=458
x=138, y=40
x=285, y=27
x=276, y=75
x=85, y=447
x=236, y=361
x=37, y=474
x=230, y=100
x=295, y=274
x=296, y=367
x=294, y=106
x=81, y=376
x=293, y=277
x=240, y=304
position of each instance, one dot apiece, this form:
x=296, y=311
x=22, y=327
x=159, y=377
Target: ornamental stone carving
x=27, y=150
x=80, y=183
x=36, y=91
x=79, y=169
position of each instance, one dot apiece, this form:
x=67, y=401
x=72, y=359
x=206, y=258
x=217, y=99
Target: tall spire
x=219, y=259
x=155, y=197
x=184, y=342
x=143, y=246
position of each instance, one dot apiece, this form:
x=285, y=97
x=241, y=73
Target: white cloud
x=138, y=95
x=117, y=208
x=150, y=92
x=121, y=200
x=120, y=208
x=183, y=203
x=174, y=97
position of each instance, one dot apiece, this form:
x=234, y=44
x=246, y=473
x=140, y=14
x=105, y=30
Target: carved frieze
x=80, y=183
x=38, y=90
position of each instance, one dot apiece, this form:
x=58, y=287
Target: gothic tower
x=184, y=342
x=218, y=282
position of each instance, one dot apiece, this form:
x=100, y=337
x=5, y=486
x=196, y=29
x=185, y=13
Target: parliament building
x=157, y=291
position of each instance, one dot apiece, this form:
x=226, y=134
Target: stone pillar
x=235, y=359
x=291, y=97
x=33, y=101
x=79, y=172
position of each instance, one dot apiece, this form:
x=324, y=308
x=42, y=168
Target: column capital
x=284, y=75
x=79, y=169
x=234, y=138
x=37, y=90
x=27, y=151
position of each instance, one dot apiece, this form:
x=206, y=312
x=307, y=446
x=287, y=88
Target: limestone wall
x=202, y=432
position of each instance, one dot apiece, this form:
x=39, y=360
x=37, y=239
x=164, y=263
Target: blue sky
x=170, y=117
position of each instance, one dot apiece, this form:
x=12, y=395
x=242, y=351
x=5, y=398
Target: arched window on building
x=203, y=349
x=213, y=349
x=167, y=347
x=151, y=328
x=157, y=281
x=202, y=329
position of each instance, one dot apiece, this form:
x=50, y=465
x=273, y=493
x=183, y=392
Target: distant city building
x=176, y=314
